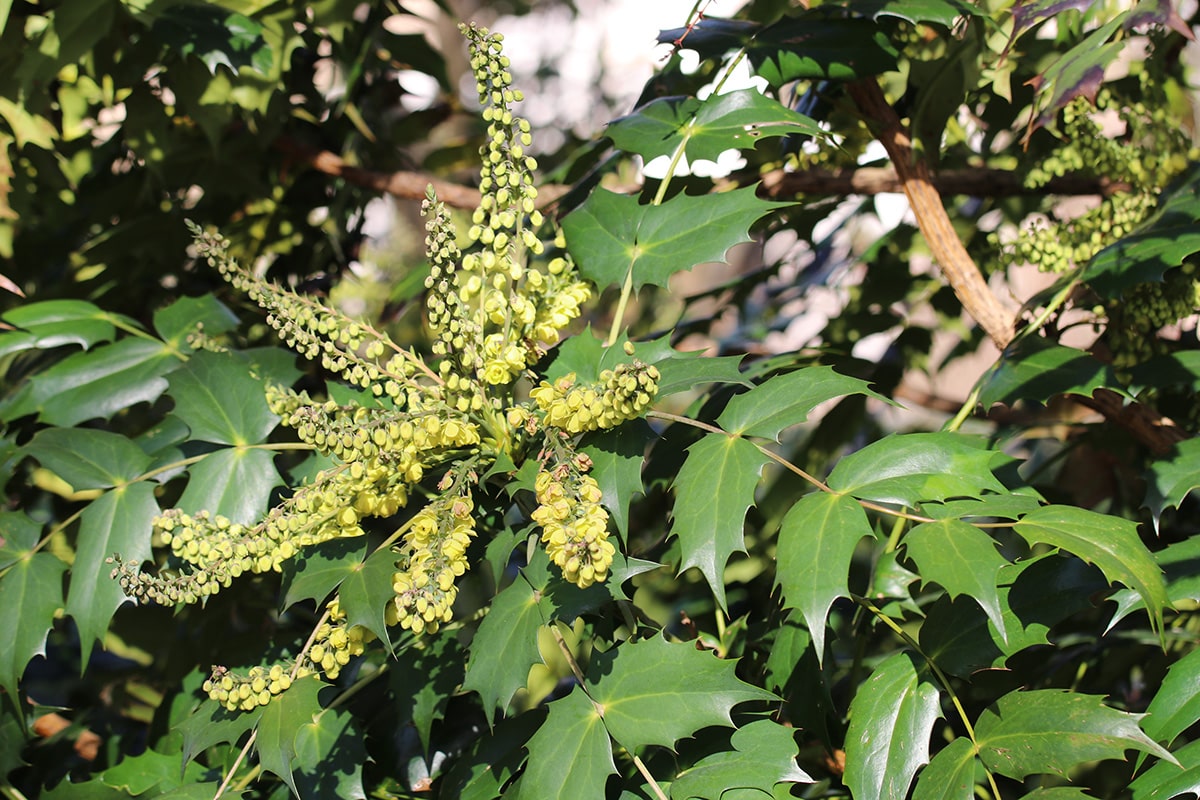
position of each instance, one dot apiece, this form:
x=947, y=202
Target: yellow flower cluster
x=622, y=394
x=247, y=692
x=334, y=644
x=436, y=544
x=574, y=524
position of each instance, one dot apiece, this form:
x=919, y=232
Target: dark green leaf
x=816, y=542
x=617, y=458
x=1050, y=731
x=612, y=235
x=491, y=759
x=510, y=628
x=151, y=770
x=787, y=400
x=118, y=523
x=212, y=724
x=422, y=681
x=216, y=36
x=891, y=718
x=570, y=757
x=330, y=753
x=1079, y=72
x=1172, y=477
x=1176, y=706
x=656, y=692
x=950, y=774
x=235, y=482
x=281, y=719
x=55, y=323
x=713, y=490
x=366, y=591
x=188, y=315
x=1034, y=369
x=30, y=597
x=685, y=372
x=907, y=469
x=220, y=400
x=764, y=755
x=706, y=128
x=963, y=559
x=1165, y=780
x=1112, y=544
x=320, y=569
x=95, y=384
x=1179, y=562
x=815, y=47
x=941, y=12
x=88, y=458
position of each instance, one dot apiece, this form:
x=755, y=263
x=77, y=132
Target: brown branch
x=980, y=182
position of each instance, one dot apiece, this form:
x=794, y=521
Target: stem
x=968, y=407
x=237, y=763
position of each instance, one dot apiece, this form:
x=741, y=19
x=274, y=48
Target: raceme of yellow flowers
x=494, y=307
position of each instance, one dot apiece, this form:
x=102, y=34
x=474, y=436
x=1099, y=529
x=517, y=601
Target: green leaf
x=492, y=758
x=424, y=680
x=18, y=535
x=1165, y=780
x=817, y=539
x=684, y=372
x=963, y=559
x=55, y=323
x=221, y=401
x=98, y=383
x=570, y=757
x=656, y=692
x=1176, y=706
x=1172, y=478
x=1178, y=563
x=187, y=315
x=279, y=723
x=1050, y=731
x=235, y=482
x=1112, y=544
x=216, y=36
x=713, y=490
x=617, y=458
x=942, y=12
x=118, y=523
x=318, y=570
x=330, y=751
x=366, y=591
x=787, y=400
x=950, y=774
x=212, y=724
x=891, y=718
x=612, y=235
x=909, y=468
x=151, y=770
x=30, y=597
x=88, y=458
x=1037, y=370
x=706, y=128
x=510, y=627
x=1077, y=73
x=765, y=755
x=813, y=46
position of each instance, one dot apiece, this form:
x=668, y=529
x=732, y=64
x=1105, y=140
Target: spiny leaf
x=814, y=46
x=88, y=458
x=1050, y=731
x=941, y=12
x=1165, y=780
x=422, y=682
x=18, y=535
x=963, y=559
x=706, y=128
x=235, y=482
x=330, y=752
x=1037, y=370
x=187, y=315
x=570, y=757
x=211, y=723
x=320, y=569
x=891, y=718
x=817, y=539
x=613, y=235
x=491, y=759
x=1172, y=478
x=281, y=719
x=1178, y=563
x=686, y=371
x=617, y=458
x=30, y=597
x=116, y=523
x=1176, y=706
x=366, y=591
x=220, y=400
x=764, y=754
x=950, y=774
x=54, y=323
x=787, y=400
x=216, y=36
x=913, y=467
x=98, y=383
x=655, y=692
x=510, y=628
x=713, y=490
x=151, y=770
x=1077, y=73
x=1112, y=544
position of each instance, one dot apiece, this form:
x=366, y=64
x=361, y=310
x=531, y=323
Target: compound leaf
x=54, y=323
x=656, y=692
x=962, y=559
x=1112, y=544
x=891, y=718
x=571, y=755
x=786, y=400
x=366, y=591
x=613, y=235
x=713, y=490
x=617, y=458
x=817, y=539
x=318, y=570
x=211, y=723
x=1036, y=370
x=1050, y=731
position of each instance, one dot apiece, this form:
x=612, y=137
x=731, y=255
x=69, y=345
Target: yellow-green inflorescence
x=496, y=303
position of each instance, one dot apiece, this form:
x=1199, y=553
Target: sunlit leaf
x=216, y=36
x=963, y=559
x=1176, y=705
x=1178, y=562
x=54, y=323
x=891, y=718
x=1165, y=780
x=320, y=569
x=366, y=591
x=713, y=490
x=950, y=774
x=187, y=315
x=510, y=627
x=786, y=400
x=764, y=754
x=816, y=542
x=1036, y=370
x=617, y=458
x=816, y=46
x=330, y=753
x=18, y=534
x=151, y=770
x=88, y=458
x=280, y=721
x=941, y=12
x=686, y=372
x=212, y=724
x=570, y=756
x=235, y=482
x=220, y=400
x=1171, y=478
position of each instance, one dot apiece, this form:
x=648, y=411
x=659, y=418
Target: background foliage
x=838, y=574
